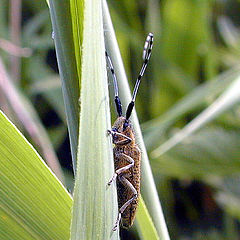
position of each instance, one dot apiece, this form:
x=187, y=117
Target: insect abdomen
x=133, y=176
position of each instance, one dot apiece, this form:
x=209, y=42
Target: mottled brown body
x=122, y=149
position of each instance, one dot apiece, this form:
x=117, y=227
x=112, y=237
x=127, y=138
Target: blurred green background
x=190, y=94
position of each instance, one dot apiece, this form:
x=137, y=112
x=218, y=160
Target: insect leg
x=123, y=169
x=127, y=184
x=121, y=142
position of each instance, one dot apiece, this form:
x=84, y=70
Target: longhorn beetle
x=127, y=155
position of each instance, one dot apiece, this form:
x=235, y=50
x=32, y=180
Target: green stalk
x=63, y=38
x=95, y=205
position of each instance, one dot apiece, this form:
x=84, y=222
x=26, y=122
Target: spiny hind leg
x=128, y=185
x=123, y=169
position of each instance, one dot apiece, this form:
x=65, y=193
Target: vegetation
x=187, y=106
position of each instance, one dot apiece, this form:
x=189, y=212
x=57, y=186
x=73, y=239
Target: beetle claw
x=112, y=179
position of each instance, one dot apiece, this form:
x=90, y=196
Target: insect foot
x=112, y=179
x=117, y=222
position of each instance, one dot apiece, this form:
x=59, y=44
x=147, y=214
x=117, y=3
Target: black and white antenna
x=117, y=99
x=147, y=50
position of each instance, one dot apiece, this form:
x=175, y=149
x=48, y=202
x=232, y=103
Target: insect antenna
x=117, y=99
x=147, y=50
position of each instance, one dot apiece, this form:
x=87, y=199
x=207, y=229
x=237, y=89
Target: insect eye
x=125, y=125
x=114, y=129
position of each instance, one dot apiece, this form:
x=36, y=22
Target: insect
x=127, y=155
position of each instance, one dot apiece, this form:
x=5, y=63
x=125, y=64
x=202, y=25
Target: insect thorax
x=123, y=126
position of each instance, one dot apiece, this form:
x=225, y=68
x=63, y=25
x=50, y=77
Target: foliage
x=187, y=103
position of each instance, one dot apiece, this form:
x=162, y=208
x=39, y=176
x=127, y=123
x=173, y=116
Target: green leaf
x=63, y=37
x=155, y=129
x=77, y=8
x=27, y=115
x=33, y=203
x=223, y=103
x=144, y=223
x=207, y=154
x=95, y=206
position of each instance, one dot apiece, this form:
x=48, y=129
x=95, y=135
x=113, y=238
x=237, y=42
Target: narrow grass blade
x=145, y=225
x=95, y=204
x=28, y=117
x=63, y=38
x=210, y=153
x=33, y=203
x=153, y=130
x=77, y=7
x=225, y=102
x=148, y=188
